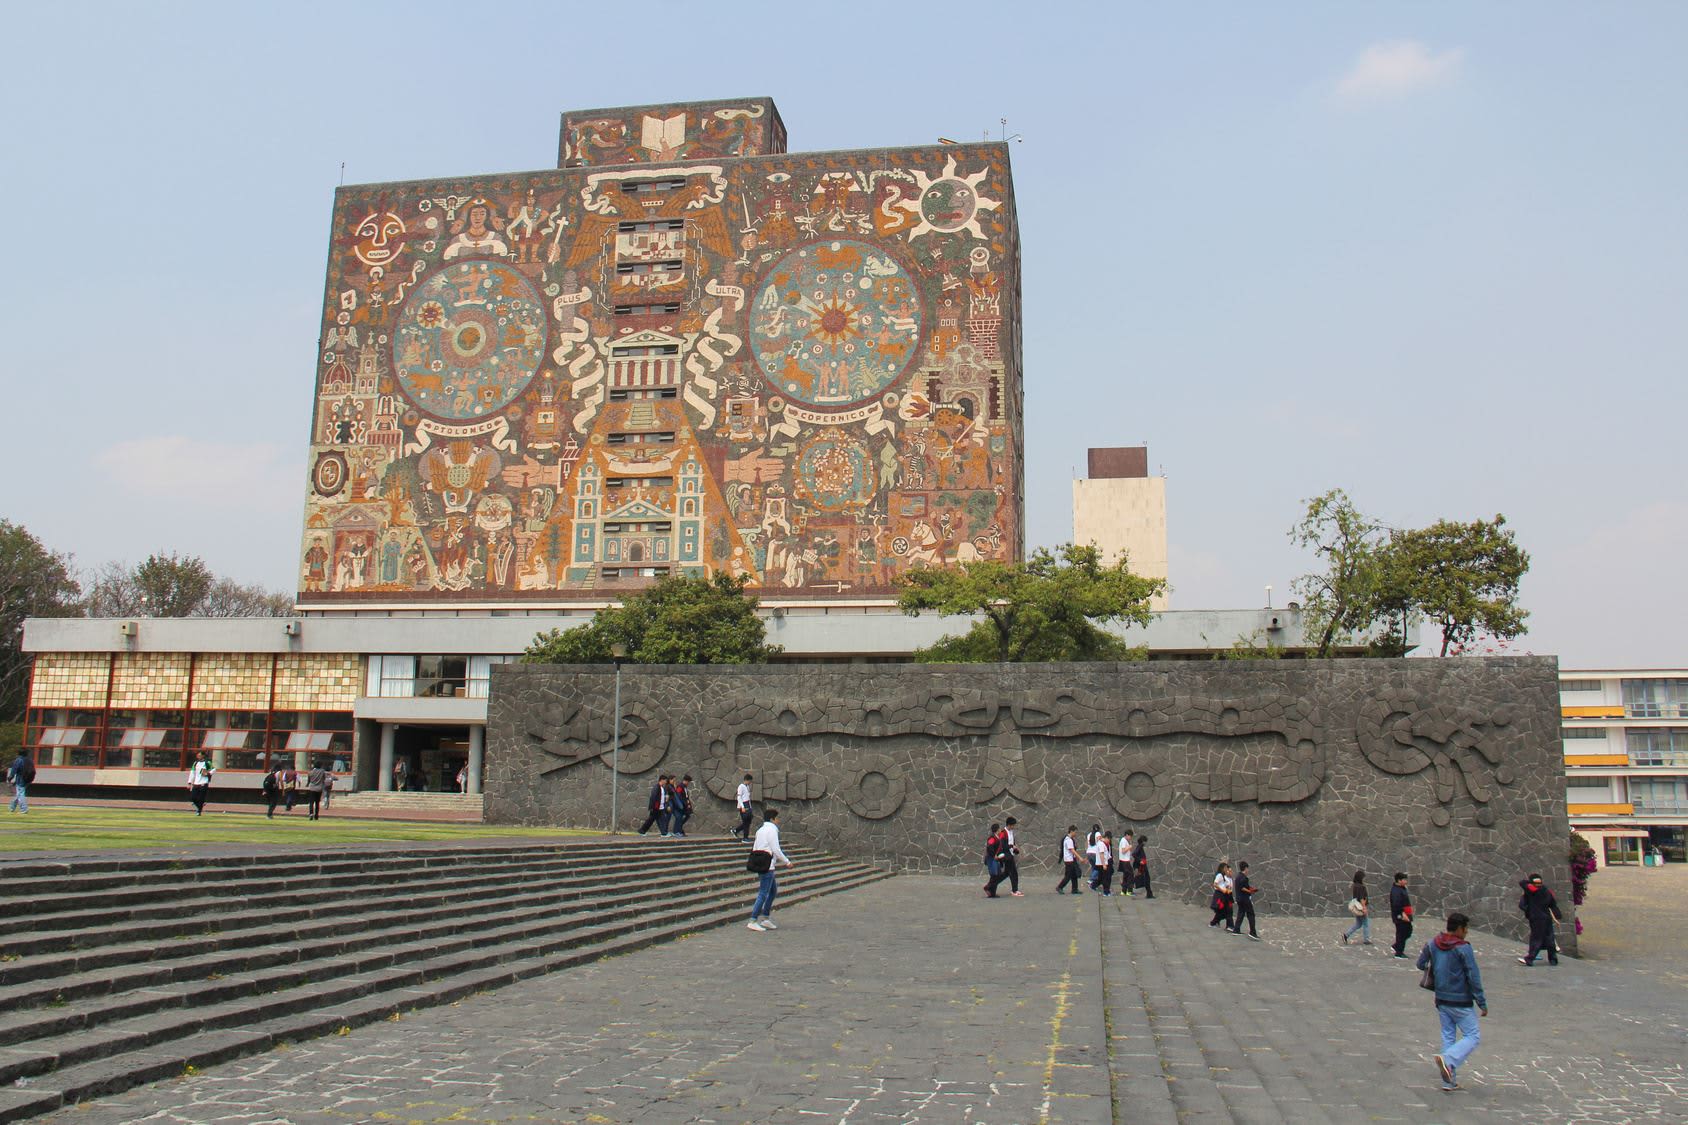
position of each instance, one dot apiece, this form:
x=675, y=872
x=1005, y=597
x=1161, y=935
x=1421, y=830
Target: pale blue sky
x=1433, y=252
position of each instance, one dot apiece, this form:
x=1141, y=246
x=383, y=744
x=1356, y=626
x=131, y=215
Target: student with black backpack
x=22, y=775
x=272, y=790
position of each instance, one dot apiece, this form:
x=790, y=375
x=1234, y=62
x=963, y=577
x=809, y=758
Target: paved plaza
x=915, y=999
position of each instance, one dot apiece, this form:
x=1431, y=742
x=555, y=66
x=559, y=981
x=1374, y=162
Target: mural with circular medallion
x=469, y=340
x=836, y=322
x=835, y=474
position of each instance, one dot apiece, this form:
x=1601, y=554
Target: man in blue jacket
x=1459, y=989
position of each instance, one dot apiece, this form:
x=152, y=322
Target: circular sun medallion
x=836, y=322
x=835, y=474
x=469, y=340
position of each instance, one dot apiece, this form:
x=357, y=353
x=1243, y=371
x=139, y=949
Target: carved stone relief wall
x=1448, y=770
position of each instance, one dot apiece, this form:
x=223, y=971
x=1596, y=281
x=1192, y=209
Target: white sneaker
x=757, y=926
x=768, y=924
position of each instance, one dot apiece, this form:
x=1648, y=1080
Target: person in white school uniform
x=199, y=783
x=1069, y=860
x=768, y=841
x=1101, y=859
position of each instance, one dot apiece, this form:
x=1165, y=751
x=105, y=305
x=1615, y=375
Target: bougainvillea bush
x=1583, y=865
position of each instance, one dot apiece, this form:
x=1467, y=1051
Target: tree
x=1462, y=576
x=1338, y=603
x=674, y=621
x=34, y=582
x=176, y=586
x=1049, y=608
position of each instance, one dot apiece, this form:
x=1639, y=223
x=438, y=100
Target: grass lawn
x=62, y=828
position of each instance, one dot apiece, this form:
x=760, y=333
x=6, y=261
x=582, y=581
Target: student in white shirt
x=199, y=782
x=1125, y=867
x=767, y=840
x=1102, y=855
x=743, y=800
x=1011, y=857
x=1222, y=896
x=1069, y=860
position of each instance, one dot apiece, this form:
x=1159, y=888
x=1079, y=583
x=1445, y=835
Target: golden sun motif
x=835, y=322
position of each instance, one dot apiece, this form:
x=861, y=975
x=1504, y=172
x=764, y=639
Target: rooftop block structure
x=683, y=351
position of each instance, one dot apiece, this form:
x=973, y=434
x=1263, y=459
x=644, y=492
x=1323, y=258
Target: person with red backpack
x=993, y=869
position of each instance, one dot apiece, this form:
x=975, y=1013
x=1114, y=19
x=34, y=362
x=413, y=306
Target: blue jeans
x=1462, y=1021
x=1361, y=926
x=765, y=891
x=20, y=799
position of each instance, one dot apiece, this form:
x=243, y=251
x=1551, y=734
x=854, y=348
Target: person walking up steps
x=765, y=856
x=1245, y=891
x=1069, y=860
x=1542, y=910
x=1222, y=887
x=1401, y=913
x=744, y=809
x=1360, y=907
x=1459, y=988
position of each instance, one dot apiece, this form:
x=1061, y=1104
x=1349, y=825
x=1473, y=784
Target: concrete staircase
x=124, y=971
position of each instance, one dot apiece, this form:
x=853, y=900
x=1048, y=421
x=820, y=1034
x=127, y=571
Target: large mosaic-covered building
x=685, y=350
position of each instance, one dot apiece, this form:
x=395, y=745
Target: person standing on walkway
x=1459, y=988
x=1127, y=870
x=1140, y=860
x=314, y=782
x=767, y=844
x=1245, y=892
x=744, y=809
x=327, y=790
x=401, y=774
x=1222, y=887
x=272, y=790
x=1542, y=910
x=1090, y=854
x=21, y=773
x=682, y=807
x=289, y=788
x=199, y=783
x=1360, y=907
x=657, y=805
x=1401, y=913
x=1069, y=860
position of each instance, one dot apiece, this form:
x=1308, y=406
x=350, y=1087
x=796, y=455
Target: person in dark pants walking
x=1011, y=856
x=1245, y=891
x=744, y=810
x=1140, y=861
x=996, y=859
x=658, y=807
x=1090, y=853
x=682, y=807
x=1069, y=860
x=315, y=781
x=272, y=790
x=1401, y=913
x=199, y=783
x=1542, y=910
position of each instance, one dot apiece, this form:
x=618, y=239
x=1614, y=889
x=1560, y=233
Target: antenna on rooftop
x=342, y=173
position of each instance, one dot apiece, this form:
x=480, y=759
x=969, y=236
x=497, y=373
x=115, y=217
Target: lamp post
x=618, y=653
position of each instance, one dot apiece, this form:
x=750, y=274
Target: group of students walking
x=286, y=786
x=1128, y=858
x=670, y=805
x=1233, y=899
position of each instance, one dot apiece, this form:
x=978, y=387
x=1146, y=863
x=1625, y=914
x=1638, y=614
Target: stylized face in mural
x=835, y=322
x=469, y=340
x=380, y=237
x=948, y=204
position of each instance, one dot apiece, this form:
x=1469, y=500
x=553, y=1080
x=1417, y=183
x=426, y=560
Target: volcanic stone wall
x=1450, y=770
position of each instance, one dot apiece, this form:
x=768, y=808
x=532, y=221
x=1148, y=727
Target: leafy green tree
x=674, y=621
x=1462, y=576
x=1337, y=603
x=34, y=582
x=1049, y=608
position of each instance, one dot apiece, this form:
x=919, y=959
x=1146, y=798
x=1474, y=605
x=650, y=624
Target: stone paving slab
x=915, y=1000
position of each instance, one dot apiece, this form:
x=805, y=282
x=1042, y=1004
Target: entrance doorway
x=433, y=758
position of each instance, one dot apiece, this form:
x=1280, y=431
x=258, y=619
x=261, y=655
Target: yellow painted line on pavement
x=1055, y=1022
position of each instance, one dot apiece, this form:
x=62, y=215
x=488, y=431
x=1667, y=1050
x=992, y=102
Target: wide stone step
x=110, y=968
x=43, y=895
x=83, y=1065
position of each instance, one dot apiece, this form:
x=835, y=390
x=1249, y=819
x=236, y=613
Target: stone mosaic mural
x=686, y=351
x=1449, y=770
